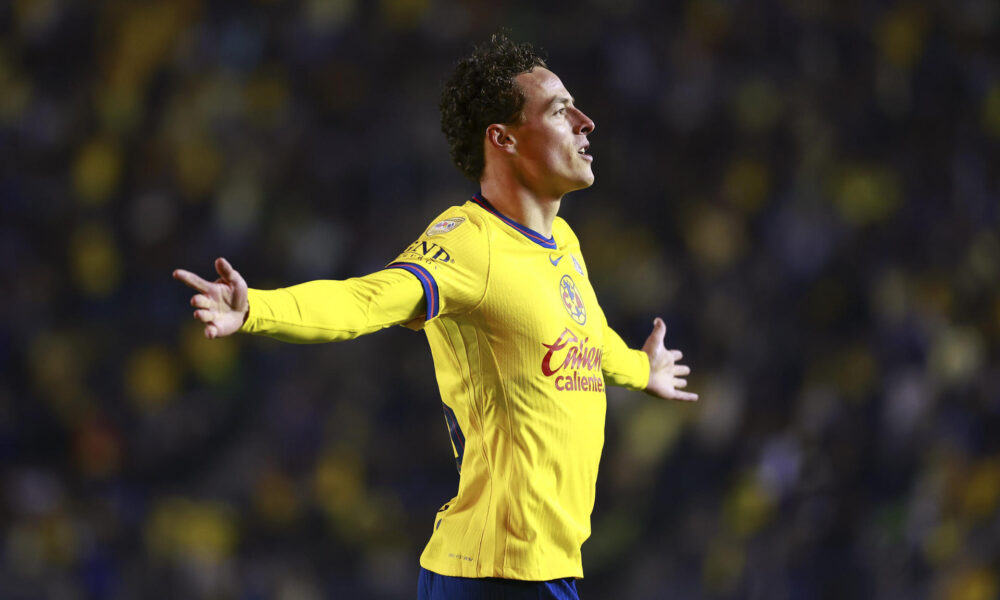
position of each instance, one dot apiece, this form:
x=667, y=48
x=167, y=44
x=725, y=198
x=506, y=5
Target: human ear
x=500, y=137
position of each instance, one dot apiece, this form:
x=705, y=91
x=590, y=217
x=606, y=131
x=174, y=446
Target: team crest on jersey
x=576, y=265
x=572, y=299
x=445, y=226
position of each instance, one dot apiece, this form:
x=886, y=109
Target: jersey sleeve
x=623, y=366
x=329, y=311
x=451, y=261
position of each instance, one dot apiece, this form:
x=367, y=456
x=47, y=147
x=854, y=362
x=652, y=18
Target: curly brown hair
x=482, y=91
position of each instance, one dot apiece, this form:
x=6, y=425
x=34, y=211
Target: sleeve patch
x=445, y=226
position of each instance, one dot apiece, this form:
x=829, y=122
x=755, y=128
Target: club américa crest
x=572, y=299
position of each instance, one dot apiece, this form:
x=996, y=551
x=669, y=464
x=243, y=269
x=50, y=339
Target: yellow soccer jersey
x=521, y=351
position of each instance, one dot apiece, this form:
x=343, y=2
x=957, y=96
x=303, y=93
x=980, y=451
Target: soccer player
x=521, y=348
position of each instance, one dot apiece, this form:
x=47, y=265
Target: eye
x=561, y=111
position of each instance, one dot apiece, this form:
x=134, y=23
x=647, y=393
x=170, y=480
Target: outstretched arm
x=664, y=372
x=222, y=306
x=315, y=311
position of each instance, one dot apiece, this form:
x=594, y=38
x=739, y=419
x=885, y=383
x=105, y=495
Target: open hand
x=664, y=372
x=222, y=306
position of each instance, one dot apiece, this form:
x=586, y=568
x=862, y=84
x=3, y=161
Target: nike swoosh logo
x=555, y=263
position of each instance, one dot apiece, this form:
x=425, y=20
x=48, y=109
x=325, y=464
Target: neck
x=529, y=209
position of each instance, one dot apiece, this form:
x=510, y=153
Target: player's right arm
x=444, y=272
x=316, y=311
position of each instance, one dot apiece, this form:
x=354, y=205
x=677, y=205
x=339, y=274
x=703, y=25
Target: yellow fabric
x=332, y=311
x=522, y=352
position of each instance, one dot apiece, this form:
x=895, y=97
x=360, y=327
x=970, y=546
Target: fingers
x=201, y=301
x=205, y=316
x=654, y=343
x=659, y=330
x=685, y=396
x=682, y=370
x=192, y=280
x=676, y=354
x=680, y=384
x=225, y=270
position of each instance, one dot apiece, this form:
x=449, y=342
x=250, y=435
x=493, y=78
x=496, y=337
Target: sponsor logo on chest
x=574, y=363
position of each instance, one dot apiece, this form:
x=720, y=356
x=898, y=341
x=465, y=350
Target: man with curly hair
x=521, y=348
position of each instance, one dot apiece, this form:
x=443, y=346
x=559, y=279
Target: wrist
x=249, y=319
x=649, y=368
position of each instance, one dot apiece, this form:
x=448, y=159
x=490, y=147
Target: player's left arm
x=654, y=368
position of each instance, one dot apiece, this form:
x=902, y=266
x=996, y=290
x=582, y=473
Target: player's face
x=552, y=137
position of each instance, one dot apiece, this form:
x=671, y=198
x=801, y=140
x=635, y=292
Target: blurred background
x=806, y=190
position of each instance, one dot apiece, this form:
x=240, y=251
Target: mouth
x=582, y=151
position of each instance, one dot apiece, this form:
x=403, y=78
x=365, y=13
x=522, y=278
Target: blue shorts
x=432, y=586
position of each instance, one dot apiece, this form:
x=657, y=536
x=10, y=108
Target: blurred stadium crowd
x=806, y=190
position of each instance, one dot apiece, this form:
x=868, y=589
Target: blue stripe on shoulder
x=427, y=280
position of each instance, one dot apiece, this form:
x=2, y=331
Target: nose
x=585, y=126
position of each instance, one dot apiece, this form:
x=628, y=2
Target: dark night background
x=806, y=190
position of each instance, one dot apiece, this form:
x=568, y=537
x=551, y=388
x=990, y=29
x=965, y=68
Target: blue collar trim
x=531, y=234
